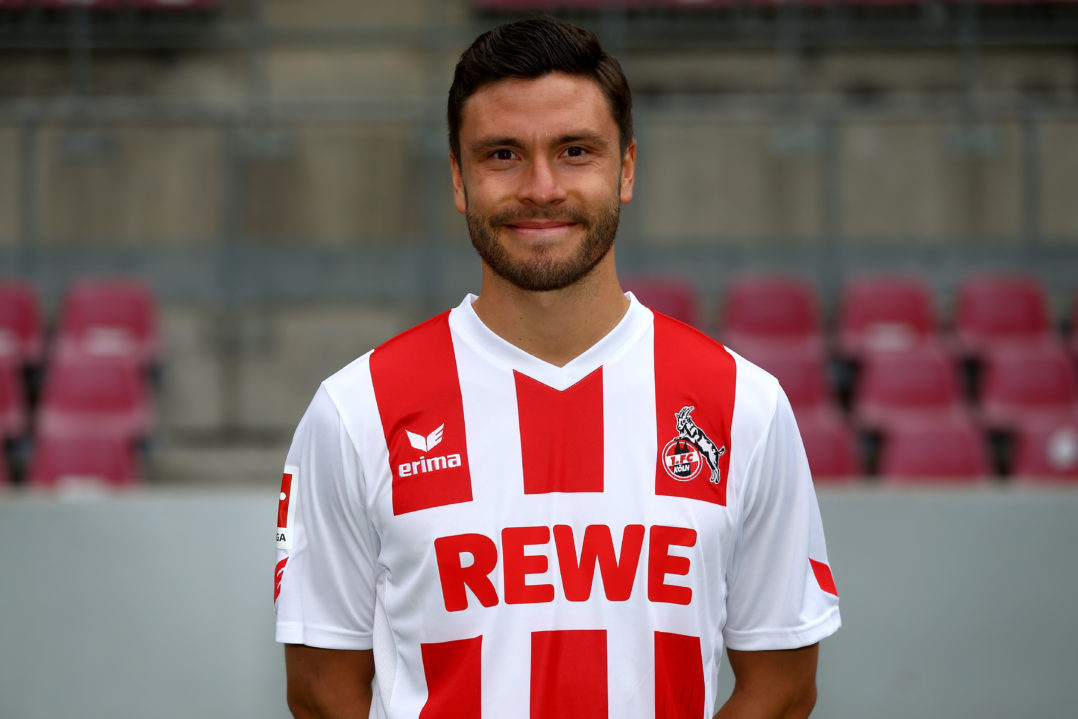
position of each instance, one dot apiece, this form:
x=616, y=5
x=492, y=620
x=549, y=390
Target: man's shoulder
x=413, y=345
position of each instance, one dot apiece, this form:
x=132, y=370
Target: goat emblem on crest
x=686, y=455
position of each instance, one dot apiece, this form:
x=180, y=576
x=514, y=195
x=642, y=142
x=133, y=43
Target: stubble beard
x=542, y=273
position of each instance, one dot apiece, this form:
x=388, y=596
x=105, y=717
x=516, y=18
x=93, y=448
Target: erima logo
x=427, y=464
x=426, y=444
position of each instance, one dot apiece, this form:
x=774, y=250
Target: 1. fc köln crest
x=691, y=451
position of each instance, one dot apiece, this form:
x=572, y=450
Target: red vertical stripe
x=284, y=499
x=692, y=370
x=418, y=390
x=561, y=435
x=454, y=686
x=568, y=679
x=679, y=677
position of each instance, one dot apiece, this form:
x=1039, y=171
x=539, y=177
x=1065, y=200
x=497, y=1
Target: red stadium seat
x=671, y=296
x=1026, y=383
x=996, y=310
x=920, y=383
x=61, y=462
x=773, y=310
x=13, y=410
x=94, y=396
x=951, y=450
x=109, y=317
x=801, y=371
x=22, y=337
x=1046, y=450
x=885, y=312
x=1074, y=326
x=831, y=447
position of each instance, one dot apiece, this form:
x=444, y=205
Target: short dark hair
x=530, y=49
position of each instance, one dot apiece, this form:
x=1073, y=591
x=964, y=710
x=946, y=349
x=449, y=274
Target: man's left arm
x=776, y=684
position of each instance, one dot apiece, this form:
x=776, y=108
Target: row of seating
x=890, y=391
x=76, y=403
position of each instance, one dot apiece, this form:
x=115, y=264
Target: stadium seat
x=941, y=450
x=22, y=336
x=1074, y=326
x=831, y=448
x=919, y=383
x=88, y=395
x=62, y=462
x=1046, y=450
x=13, y=409
x=884, y=312
x=1027, y=383
x=109, y=317
x=671, y=296
x=999, y=310
x=774, y=310
x=802, y=372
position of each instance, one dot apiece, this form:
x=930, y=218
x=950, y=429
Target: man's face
x=541, y=178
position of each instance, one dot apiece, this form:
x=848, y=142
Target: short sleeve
x=325, y=573
x=781, y=591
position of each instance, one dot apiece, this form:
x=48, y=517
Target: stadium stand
x=1046, y=450
x=883, y=312
x=1027, y=383
x=995, y=310
x=803, y=375
x=94, y=396
x=22, y=335
x=944, y=450
x=916, y=384
x=673, y=296
x=13, y=408
x=109, y=317
x=831, y=447
x=61, y=462
x=775, y=311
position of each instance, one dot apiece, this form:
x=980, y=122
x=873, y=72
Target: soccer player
x=548, y=502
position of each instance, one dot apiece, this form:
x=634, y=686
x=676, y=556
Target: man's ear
x=628, y=170
x=460, y=194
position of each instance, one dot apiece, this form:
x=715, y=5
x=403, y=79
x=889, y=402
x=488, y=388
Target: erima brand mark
x=428, y=442
x=425, y=443
x=691, y=450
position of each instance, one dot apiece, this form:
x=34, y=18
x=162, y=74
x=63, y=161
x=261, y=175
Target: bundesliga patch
x=691, y=452
x=286, y=507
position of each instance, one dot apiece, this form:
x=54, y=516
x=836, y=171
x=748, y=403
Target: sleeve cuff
x=322, y=637
x=770, y=639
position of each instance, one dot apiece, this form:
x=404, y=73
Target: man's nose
x=541, y=183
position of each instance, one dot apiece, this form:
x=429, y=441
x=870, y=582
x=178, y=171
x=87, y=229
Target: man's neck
x=555, y=326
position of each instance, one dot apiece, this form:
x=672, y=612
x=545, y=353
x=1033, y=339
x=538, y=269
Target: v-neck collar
x=466, y=324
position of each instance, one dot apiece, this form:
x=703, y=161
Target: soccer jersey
x=518, y=539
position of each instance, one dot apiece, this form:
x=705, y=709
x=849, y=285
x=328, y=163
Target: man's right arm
x=329, y=683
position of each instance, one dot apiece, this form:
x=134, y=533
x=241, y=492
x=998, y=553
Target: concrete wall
x=159, y=604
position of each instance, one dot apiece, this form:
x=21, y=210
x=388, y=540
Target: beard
x=542, y=273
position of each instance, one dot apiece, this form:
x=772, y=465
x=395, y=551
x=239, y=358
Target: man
x=549, y=502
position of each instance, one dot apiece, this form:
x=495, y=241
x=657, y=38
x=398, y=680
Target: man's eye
x=575, y=151
x=503, y=154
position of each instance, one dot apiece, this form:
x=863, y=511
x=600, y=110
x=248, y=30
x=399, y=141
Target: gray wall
x=158, y=604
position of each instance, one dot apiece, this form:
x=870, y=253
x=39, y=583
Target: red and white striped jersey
x=517, y=539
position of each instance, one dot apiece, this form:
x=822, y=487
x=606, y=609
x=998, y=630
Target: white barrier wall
x=158, y=605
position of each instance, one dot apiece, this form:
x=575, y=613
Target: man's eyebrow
x=585, y=137
x=488, y=144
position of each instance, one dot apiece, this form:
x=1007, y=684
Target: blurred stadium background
x=208, y=206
